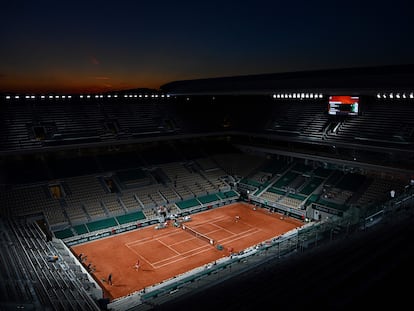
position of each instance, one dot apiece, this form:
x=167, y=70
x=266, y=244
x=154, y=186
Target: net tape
x=198, y=235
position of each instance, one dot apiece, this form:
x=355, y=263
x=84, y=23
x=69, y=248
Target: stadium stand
x=76, y=168
x=31, y=279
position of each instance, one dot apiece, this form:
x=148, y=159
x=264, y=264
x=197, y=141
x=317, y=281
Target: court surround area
x=165, y=253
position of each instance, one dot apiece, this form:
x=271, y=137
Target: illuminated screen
x=343, y=105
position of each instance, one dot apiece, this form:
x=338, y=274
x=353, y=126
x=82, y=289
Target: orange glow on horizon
x=78, y=85
x=74, y=88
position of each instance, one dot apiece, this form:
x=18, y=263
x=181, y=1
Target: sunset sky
x=94, y=46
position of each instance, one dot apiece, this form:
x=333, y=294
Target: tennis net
x=198, y=234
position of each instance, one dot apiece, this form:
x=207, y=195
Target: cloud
x=101, y=78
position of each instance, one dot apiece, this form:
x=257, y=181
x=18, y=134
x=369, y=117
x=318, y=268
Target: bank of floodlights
x=395, y=95
x=81, y=96
x=297, y=95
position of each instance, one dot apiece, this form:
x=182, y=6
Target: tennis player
x=136, y=266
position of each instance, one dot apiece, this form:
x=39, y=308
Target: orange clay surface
x=167, y=252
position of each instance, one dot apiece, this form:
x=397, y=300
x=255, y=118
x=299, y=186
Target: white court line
x=168, y=246
x=203, y=248
x=184, y=240
x=143, y=239
x=151, y=239
x=184, y=257
x=154, y=264
x=139, y=255
x=218, y=229
x=137, y=243
x=221, y=228
x=239, y=236
x=231, y=232
x=211, y=219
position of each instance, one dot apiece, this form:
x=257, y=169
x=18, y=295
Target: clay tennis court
x=168, y=252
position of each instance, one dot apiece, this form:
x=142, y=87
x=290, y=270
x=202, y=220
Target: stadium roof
x=358, y=80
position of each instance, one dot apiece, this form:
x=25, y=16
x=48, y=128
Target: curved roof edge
x=363, y=80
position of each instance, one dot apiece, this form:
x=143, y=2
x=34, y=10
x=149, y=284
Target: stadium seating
x=31, y=279
x=89, y=167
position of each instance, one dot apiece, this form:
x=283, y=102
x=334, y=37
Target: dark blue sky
x=92, y=46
